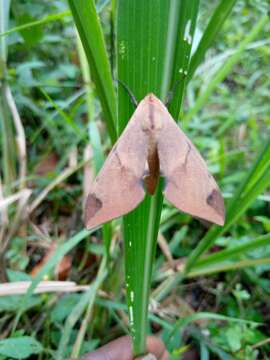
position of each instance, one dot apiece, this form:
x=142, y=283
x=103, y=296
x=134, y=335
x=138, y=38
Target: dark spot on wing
x=93, y=205
x=215, y=200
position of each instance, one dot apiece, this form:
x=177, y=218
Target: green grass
x=148, y=61
x=59, y=92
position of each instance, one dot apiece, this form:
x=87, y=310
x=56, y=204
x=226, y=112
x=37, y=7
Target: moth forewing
x=153, y=141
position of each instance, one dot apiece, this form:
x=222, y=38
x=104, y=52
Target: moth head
x=151, y=98
x=153, y=118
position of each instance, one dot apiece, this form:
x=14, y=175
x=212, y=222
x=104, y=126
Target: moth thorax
x=152, y=121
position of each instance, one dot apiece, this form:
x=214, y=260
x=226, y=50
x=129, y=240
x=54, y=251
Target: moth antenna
x=130, y=93
x=171, y=92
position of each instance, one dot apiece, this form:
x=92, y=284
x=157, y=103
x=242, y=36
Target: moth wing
x=118, y=188
x=188, y=184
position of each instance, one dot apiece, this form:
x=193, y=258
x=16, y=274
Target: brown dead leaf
x=47, y=165
x=62, y=269
x=44, y=260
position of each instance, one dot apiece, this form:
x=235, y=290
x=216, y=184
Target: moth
x=150, y=146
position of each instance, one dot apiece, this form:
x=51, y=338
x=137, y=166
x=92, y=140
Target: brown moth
x=152, y=145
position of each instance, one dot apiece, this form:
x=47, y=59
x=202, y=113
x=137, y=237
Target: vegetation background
x=210, y=293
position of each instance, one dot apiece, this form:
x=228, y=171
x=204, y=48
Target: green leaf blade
x=20, y=348
x=218, y=18
x=89, y=28
x=147, y=61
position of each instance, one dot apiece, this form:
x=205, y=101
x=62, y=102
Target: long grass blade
x=43, y=21
x=140, y=67
x=242, y=264
x=148, y=61
x=183, y=36
x=89, y=28
x=218, y=18
x=228, y=254
x=7, y=143
x=225, y=69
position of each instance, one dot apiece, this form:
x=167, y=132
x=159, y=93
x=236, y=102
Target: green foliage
x=11, y=303
x=20, y=347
